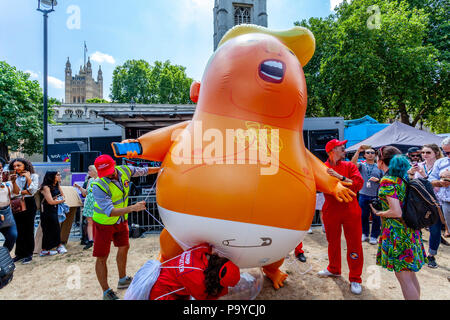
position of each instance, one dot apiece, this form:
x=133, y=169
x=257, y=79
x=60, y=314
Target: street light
x=47, y=7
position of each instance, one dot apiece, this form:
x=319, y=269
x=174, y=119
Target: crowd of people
x=21, y=197
x=381, y=176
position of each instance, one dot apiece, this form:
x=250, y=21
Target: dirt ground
x=72, y=276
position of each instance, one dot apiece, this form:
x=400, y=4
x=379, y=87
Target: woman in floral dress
x=88, y=208
x=400, y=249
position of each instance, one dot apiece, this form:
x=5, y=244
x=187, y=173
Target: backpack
x=7, y=267
x=421, y=208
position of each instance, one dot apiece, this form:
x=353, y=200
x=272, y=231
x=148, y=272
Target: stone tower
x=82, y=86
x=228, y=13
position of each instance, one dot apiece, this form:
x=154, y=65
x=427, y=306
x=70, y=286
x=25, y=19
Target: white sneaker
x=310, y=231
x=326, y=273
x=373, y=240
x=364, y=238
x=355, y=287
x=44, y=253
x=61, y=249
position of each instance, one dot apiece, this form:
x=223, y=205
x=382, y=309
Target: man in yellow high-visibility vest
x=111, y=210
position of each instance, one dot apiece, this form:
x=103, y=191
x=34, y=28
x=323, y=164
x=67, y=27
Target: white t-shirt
x=5, y=189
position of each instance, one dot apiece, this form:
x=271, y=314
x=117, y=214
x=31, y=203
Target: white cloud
x=32, y=74
x=55, y=83
x=335, y=3
x=101, y=57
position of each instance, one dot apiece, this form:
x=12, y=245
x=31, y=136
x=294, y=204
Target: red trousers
x=350, y=221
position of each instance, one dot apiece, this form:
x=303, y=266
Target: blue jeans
x=8, y=228
x=435, y=238
x=364, y=202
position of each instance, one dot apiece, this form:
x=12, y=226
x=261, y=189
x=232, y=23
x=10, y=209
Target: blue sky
x=115, y=31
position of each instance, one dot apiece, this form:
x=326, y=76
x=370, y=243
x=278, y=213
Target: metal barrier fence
x=148, y=223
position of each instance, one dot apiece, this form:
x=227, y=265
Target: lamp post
x=45, y=6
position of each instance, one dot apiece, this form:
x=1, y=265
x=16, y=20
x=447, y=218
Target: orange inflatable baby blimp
x=238, y=176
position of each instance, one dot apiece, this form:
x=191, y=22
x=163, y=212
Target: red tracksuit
x=183, y=277
x=347, y=215
x=299, y=249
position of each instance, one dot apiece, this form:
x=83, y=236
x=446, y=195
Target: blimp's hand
x=342, y=193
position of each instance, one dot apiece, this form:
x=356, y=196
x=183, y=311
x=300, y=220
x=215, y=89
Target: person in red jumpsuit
x=197, y=272
x=338, y=215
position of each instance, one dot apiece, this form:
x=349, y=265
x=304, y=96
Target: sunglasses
x=447, y=153
x=415, y=155
x=370, y=152
x=426, y=152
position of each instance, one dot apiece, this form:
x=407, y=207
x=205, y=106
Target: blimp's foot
x=273, y=272
x=169, y=247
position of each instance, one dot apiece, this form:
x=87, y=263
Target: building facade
x=229, y=13
x=82, y=86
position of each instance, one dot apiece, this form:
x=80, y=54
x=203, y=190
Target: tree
x=97, y=100
x=388, y=70
x=138, y=81
x=21, y=112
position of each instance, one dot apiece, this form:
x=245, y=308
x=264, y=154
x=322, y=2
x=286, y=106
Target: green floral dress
x=400, y=248
x=88, y=209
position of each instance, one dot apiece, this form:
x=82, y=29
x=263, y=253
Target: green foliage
x=21, y=112
x=396, y=69
x=97, y=100
x=162, y=83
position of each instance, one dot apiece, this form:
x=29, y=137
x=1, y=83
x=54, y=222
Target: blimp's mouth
x=272, y=71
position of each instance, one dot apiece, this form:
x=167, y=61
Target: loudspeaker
x=81, y=160
x=89, y=158
x=75, y=161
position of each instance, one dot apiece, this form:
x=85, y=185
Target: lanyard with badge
x=369, y=174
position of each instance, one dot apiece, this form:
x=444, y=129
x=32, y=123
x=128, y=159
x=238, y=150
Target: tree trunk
x=404, y=116
x=4, y=151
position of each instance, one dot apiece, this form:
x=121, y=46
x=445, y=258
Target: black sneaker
x=88, y=245
x=432, y=262
x=17, y=259
x=301, y=257
x=27, y=260
x=444, y=242
x=110, y=295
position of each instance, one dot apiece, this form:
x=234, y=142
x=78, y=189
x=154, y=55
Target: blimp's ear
x=195, y=91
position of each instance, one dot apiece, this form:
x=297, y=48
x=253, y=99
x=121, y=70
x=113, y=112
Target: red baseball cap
x=229, y=275
x=105, y=165
x=333, y=144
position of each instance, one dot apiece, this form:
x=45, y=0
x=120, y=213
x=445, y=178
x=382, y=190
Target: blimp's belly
x=247, y=245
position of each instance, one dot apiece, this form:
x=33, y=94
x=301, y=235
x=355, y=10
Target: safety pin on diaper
x=266, y=242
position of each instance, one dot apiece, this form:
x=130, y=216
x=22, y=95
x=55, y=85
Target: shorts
x=104, y=234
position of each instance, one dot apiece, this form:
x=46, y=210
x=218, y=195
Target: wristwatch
x=343, y=178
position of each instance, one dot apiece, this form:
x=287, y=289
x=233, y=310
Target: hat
x=105, y=165
x=333, y=144
x=229, y=275
x=413, y=149
x=300, y=40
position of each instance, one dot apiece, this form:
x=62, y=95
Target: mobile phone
x=122, y=148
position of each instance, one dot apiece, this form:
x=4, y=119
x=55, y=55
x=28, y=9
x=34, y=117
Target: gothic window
x=241, y=15
x=74, y=99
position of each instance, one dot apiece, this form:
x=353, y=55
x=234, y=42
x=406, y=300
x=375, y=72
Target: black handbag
x=7, y=267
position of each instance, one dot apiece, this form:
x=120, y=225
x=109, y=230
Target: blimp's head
x=257, y=74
